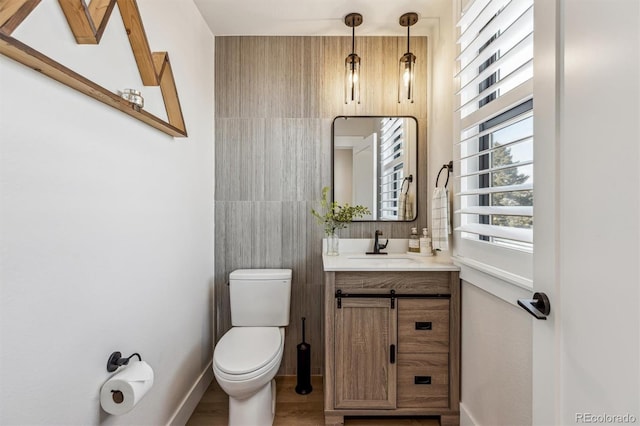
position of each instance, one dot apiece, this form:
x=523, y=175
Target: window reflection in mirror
x=375, y=165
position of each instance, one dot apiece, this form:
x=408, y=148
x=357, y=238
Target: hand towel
x=440, y=229
x=408, y=207
x=402, y=206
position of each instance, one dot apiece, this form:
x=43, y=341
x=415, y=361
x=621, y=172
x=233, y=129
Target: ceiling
x=320, y=17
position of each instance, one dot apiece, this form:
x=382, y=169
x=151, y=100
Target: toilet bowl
x=248, y=356
x=245, y=362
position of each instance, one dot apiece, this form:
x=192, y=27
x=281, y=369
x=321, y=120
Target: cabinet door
x=365, y=330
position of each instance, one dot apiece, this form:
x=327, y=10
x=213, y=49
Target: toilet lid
x=245, y=349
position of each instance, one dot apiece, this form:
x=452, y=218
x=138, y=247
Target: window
x=392, y=165
x=496, y=185
x=494, y=198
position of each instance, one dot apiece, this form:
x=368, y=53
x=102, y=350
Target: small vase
x=333, y=243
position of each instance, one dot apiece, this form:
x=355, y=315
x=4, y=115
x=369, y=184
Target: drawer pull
x=422, y=380
x=426, y=325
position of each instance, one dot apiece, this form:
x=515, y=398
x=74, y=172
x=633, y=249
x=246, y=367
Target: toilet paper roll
x=126, y=388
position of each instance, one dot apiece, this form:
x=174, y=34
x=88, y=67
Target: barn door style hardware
x=87, y=23
x=392, y=295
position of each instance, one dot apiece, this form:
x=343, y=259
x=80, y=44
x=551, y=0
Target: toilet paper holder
x=116, y=360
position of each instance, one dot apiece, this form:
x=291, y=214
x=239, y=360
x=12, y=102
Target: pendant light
x=352, y=63
x=407, y=66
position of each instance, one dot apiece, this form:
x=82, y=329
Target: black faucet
x=376, y=244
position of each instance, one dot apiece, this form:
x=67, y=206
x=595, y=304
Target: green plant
x=335, y=216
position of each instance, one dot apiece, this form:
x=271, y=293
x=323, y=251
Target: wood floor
x=291, y=409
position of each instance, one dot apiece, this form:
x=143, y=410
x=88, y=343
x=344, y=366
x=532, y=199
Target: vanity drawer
x=423, y=325
x=423, y=380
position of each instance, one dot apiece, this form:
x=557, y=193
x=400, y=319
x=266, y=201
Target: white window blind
x=495, y=106
x=392, y=163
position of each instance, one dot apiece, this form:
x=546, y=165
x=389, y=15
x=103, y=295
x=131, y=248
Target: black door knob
x=539, y=306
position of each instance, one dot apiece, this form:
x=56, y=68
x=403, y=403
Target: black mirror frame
x=415, y=178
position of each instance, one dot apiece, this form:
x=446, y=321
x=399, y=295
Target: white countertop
x=353, y=258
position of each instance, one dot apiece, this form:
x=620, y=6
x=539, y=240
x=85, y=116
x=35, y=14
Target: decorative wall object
x=88, y=22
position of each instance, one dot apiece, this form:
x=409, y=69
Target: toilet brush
x=303, y=386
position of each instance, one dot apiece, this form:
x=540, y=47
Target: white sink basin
x=376, y=258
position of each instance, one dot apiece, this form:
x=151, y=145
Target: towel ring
x=449, y=168
x=407, y=179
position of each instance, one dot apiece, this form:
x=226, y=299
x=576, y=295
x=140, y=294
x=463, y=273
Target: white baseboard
x=466, y=419
x=193, y=397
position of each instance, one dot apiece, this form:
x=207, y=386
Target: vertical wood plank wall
x=276, y=98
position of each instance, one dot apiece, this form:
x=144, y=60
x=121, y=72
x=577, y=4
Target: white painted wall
x=441, y=51
x=343, y=170
x=496, y=360
x=106, y=225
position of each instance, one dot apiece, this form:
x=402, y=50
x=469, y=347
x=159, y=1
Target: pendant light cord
x=353, y=62
x=353, y=39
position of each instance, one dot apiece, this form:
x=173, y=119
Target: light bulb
x=406, y=76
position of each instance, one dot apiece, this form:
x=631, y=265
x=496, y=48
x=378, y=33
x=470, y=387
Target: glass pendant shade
x=406, y=77
x=352, y=79
x=407, y=65
x=352, y=63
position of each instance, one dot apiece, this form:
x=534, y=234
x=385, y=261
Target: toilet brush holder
x=303, y=386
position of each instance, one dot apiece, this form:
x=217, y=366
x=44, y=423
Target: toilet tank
x=260, y=297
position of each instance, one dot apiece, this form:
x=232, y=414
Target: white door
x=364, y=174
x=587, y=196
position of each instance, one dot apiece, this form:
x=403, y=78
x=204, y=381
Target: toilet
x=247, y=357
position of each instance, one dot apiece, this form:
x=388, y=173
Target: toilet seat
x=246, y=352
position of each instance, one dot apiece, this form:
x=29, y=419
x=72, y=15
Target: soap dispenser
x=425, y=244
x=414, y=241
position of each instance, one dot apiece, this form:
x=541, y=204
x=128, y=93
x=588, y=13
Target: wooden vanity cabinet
x=392, y=345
